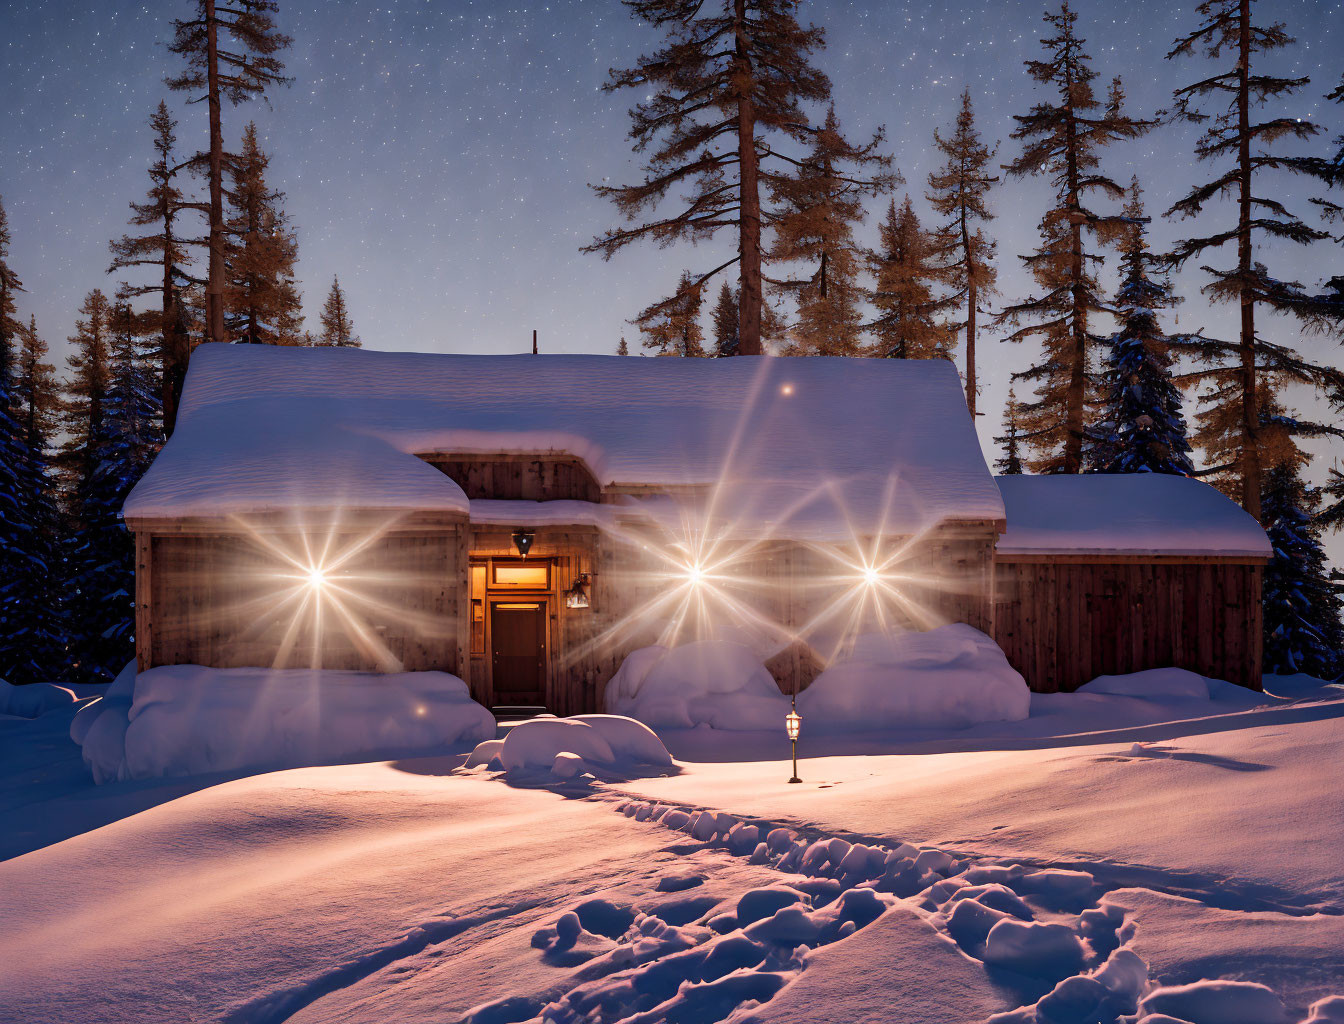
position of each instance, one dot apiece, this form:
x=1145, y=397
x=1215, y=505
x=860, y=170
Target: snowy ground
x=1191, y=840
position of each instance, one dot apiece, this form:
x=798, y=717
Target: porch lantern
x=522, y=540
x=577, y=595
x=793, y=723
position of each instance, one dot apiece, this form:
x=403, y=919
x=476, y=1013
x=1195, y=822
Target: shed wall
x=1063, y=623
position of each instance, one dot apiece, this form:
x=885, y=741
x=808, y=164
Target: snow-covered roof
x=1129, y=514
x=830, y=443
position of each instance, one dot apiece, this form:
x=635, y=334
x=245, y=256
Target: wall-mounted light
x=577, y=595
x=522, y=540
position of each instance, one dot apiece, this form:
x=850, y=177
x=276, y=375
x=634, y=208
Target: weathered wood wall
x=1063, y=622
x=527, y=477
x=227, y=600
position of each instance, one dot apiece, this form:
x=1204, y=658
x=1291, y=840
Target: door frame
x=542, y=599
x=548, y=599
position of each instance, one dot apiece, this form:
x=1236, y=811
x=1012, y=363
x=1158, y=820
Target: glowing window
x=523, y=577
x=478, y=609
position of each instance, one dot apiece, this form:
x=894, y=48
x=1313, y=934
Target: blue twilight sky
x=436, y=155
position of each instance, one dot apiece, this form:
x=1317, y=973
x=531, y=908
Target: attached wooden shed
x=1103, y=575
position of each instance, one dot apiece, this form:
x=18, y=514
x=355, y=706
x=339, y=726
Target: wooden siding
x=217, y=601
x=1062, y=624
x=526, y=477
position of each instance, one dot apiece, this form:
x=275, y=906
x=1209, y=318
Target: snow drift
x=567, y=746
x=32, y=700
x=951, y=677
x=186, y=719
x=716, y=683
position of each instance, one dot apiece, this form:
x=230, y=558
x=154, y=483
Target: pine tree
x=9, y=285
x=237, y=68
x=83, y=404
x=1302, y=603
x=1141, y=428
x=728, y=80
x=1010, y=463
x=337, y=328
x=1063, y=140
x=102, y=558
x=622, y=349
x=165, y=250
x=21, y=565
x=262, y=300
x=33, y=639
x=725, y=322
x=907, y=270
x=819, y=205
x=672, y=326
x=1240, y=369
x=958, y=193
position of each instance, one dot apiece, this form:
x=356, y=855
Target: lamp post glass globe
x=793, y=723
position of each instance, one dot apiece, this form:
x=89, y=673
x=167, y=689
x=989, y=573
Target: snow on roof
x=833, y=442
x=1125, y=514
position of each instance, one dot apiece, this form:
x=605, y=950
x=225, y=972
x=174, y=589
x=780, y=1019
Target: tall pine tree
x=819, y=207
x=83, y=403
x=1010, y=462
x=102, y=557
x=726, y=86
x=958, y=192
x=230, y=54
x=1302, y=631
x=33, y=641
x=908, y=278
x=1063, y=140
x=1141, y=428
x=725, y=322
x=9, y=285
x=672, y=327
x=1240, y=369
x=337, y=328
x=262, y=299
x=162, y=248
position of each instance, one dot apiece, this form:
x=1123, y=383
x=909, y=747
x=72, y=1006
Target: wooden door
x=518, y=653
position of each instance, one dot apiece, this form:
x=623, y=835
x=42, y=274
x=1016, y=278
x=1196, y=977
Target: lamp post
x=792, y=724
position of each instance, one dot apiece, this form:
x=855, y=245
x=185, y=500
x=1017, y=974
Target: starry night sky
x=436, y=155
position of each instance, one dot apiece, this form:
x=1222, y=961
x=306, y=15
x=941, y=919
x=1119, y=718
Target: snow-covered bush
x=1153, y=684
x=186, y=720
x=717, y=683
x=565, y=745
x=32, y=700
x=948, y=678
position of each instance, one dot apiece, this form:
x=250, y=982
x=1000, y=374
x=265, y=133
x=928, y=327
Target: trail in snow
x=1055, y=942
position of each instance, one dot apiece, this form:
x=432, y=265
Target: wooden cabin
x=525, y=522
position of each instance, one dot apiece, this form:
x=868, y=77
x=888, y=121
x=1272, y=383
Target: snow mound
x=717, y=683
x=951, y=677
x=1216, y=1002
x=539, y=743
x=33, y=700
x=1152, y=684
x=187, y=719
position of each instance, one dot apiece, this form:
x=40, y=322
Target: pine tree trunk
x=972, y=387
x=1077, y=391
x=214, y=289
x=749, y=237
x=1250, y=416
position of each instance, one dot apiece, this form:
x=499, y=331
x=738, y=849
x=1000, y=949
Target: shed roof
x=1129, y=514
x=817, y=445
